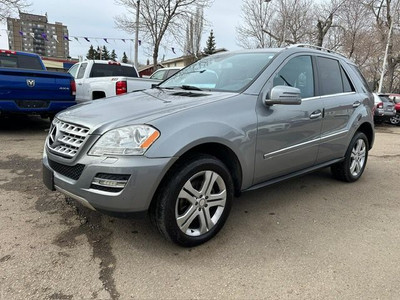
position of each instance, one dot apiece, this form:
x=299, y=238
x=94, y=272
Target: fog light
x=110, y=180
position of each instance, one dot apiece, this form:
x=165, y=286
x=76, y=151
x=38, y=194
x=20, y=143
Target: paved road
x=307, y=238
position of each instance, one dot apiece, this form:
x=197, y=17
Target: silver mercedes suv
x=229, y=123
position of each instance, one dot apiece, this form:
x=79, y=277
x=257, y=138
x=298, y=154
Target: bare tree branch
x=8, y=7
x=158, y=18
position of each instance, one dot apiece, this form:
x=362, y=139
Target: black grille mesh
x=112, y=176
x=73, y=172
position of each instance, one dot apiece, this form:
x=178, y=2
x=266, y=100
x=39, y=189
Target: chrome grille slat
x=65, y=139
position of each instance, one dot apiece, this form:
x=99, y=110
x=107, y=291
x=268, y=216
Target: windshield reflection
x=222, y=72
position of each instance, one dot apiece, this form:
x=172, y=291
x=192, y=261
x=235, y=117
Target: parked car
x=384, y=108
x=96, y=79
x=395, y=120
x=164, y=73
x=229, y=123
x=26, y=87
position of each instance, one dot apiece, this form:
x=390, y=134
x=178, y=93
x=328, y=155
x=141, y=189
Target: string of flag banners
x=88, y=39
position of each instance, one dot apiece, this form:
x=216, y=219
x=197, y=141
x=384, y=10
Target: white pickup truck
x=97, y=79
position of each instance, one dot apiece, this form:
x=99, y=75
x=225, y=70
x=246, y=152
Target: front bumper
x=145, y=175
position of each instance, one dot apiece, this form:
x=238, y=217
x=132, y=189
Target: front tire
x=193, y=204
x=353, y=165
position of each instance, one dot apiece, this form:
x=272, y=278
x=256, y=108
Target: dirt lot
x=307, y=238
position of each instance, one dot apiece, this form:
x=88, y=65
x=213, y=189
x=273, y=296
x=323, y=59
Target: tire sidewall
x=173, y=188
x=353, y=142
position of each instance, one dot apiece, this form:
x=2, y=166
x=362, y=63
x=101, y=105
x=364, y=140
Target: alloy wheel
x=200, y=203
x=358, y=155
x=395, y=120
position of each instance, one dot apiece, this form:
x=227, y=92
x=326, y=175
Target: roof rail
x=315, y=47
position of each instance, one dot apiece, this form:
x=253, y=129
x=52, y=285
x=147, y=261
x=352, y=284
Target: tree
x=98, y=53
x=8, y=7
x=386, y=18
x=105, y=54
x=91, y=53
x=124, y=58
x=256, y=15
x=194, y=32
x=113, y=55
x=157, y=19
x=210, y=46
x=325, y=13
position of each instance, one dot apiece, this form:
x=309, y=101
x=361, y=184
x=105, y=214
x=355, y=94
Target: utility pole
x=137, y=34
x=385, y=58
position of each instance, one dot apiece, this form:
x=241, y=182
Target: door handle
x=79, y=83
x=356, y=104
x=316, y=114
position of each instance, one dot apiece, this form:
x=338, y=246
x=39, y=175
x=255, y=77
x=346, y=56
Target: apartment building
x=33, y=33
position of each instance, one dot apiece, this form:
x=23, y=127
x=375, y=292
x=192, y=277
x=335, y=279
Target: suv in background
x=384, y=108
x=229, y=123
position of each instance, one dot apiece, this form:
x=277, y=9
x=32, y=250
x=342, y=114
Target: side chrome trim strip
x=334, y=134
x=289, y=148
x=328, y=96
x=266, y=156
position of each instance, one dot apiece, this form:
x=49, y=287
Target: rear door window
x=330, y=76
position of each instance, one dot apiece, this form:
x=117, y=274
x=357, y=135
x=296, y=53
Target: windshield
x=224, y=72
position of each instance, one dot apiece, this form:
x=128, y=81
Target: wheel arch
x=219, y=151
x=368, y=130
x=98, y=95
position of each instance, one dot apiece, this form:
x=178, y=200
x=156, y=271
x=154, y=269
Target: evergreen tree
x=210, y=46
x=105, y=54
x=113, y=55
x=98, y=53
x=91, y=53
x=124, y=58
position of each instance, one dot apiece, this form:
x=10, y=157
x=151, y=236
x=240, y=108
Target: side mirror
x=285, y=95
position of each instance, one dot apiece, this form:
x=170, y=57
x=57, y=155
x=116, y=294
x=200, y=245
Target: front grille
x=73, y=172
x=66, y=139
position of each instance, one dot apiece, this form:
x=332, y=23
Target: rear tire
x=193, y=204
x=353, y=165
x=395, y=120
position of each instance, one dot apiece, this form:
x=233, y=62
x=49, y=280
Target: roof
x=143, y=68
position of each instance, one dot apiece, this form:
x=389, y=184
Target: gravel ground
x=307, y=238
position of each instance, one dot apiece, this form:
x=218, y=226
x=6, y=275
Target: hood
x=136, y=108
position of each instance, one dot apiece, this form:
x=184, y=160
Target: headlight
x=130, y=140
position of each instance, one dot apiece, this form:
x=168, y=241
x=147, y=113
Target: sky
x=89, y=18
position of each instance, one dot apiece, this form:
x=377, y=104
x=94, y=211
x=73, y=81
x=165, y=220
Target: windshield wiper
x=190, y=87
